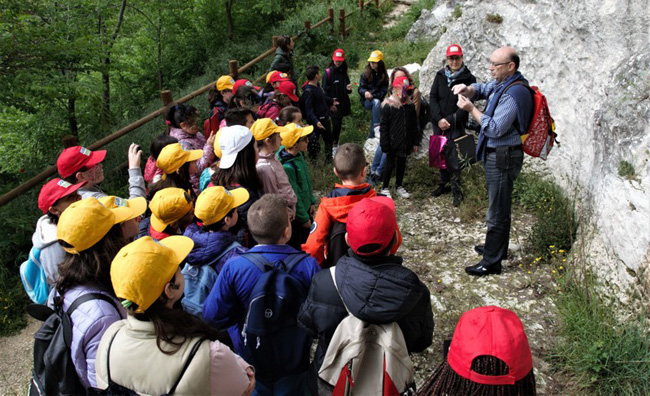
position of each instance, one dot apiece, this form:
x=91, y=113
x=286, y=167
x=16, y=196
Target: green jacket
x=283, y=62
x=297, y=171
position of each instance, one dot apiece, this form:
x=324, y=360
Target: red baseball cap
x=454, y=50
x=278, y=77
x=371, y=221
x=54, y=190
x=490, y=331
x=74, y=158
x=339, y=55
x=401, y=81
x=242, y=82
x=288, y=88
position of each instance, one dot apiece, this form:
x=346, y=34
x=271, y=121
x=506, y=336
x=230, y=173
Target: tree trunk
x=106, y=116
x=231, y=24
x=159, y=48
x=72, y=116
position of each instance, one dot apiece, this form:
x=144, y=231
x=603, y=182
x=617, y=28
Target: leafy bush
x=494, y=18
x=458, y=11
x=626, y=170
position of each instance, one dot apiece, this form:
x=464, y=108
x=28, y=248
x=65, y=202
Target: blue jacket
x=229, y=299
x=315, y=104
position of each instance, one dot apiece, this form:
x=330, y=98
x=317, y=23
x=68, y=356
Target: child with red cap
x=373, y=284
x=79, y=165
x=283, y=96
x=400, y=134
x=489, y=355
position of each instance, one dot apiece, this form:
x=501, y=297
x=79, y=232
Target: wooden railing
x=167, y=97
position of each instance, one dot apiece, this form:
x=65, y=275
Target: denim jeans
x=375, y=106
x=378, y=162
x=501, y=170
x=286, y=386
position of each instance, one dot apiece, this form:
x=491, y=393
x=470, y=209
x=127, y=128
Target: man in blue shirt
x=506, y=116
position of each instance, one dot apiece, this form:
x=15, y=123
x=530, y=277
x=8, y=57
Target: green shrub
x=626, y=170
x=494, y=18
x=458, y=11
x=13, y=301
x=600, y=354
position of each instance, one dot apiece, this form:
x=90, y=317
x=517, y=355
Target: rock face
x=592, y=60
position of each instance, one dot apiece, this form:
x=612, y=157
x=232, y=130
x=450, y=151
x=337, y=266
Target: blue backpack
x=271, y=333
x=33, y=277
x=199, y=280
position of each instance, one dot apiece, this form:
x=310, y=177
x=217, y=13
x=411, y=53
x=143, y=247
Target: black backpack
x=336, y=245
x=271, y=333
x=54, y=372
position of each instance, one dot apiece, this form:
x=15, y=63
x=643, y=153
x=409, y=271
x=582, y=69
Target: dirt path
x=16, y=360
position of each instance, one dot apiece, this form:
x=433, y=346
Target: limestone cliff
x=592, y=60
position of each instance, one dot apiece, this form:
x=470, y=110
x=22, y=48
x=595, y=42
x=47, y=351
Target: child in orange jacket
x=326, y=242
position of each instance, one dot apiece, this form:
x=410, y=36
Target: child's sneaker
x=385, y=192
x=334, y=150
x=401, y=191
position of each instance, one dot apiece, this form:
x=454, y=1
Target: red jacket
x=335, y=208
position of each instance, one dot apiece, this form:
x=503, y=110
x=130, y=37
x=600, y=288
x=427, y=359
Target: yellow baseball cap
x=376, y=56
x=86, y=222
x=263, y=128
x=214, y=203
x=168, y=206
x=141, y=269
x=173, y=156
x=292, y=132
x=131, y=208
x=217, y=148
x=225, y=82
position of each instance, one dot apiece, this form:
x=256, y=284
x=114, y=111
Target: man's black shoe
x=458, y=198
x=442, y=189
x=480, y=270
x=481, y=248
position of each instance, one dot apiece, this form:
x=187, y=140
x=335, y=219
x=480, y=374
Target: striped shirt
x=500, y=128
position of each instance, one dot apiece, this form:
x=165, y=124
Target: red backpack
x=212, y=123
x=540, y=136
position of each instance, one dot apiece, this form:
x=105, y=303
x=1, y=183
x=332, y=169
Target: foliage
x=458, y=11
x=626, y=170
x=601, y=354
x=13, y=301
x=494, y=18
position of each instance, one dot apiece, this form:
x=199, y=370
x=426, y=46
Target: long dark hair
x=173, y=326
x=242, y=172
x=381, y=70
x=93, y=265
x=180, y=179
x=283, y=43
x=179, y=113
x=248, y=96
x=445, y=381
x=159, y=143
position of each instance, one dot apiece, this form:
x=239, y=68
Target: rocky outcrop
x=592, y=60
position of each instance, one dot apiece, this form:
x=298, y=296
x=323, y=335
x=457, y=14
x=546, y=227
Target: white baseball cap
x=233, y=139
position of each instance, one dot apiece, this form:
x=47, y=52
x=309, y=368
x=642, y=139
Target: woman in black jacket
x=447, y=118
x=336, y=85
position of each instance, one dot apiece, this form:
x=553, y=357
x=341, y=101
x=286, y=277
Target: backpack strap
x=256, y=258
x=262, y=263
x=193, y=352
x=294, y=258
x=333, y=273
x=91, y=296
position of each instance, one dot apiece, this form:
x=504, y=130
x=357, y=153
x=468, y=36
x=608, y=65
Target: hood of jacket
x=284, y=156
x=379, y=289
x=343, y=198
x=393, y=102
x=207, y=245
x=45, y=233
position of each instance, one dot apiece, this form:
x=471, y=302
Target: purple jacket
x=195, y=142
x=89, y=322
x=208, y=245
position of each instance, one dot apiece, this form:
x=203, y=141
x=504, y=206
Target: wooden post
x=361, y=5
x=342, y=22
x=166, y=97
x=275, y=41
x=330, y=15
x=377, y=3
x=233, y=68
x=307, y=26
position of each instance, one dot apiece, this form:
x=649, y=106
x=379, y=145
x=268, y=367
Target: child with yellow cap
x=219, y=97
x=216, y=208
x=178, y=165
x=171, y=212
x=291, y=155
x=270, y=170
x=157, y=335
x=373, y=86
x=91, y=234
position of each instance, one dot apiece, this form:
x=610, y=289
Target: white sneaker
x=385, y=192
x=334, y=151
x=401, y=191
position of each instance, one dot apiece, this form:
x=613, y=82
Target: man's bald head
x=504, y=62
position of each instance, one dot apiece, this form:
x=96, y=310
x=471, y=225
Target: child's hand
x=307, y=224
x=134, y=155
x=319, y=125
x=349, y=87
x=312, y=211
x=368, y=95
x=416, y=149
x=211, y=139
x=251, y=386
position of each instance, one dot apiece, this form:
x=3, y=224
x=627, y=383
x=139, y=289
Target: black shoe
x=442, y=189
x=481, y=248
x=458, y=198
x=480, y=270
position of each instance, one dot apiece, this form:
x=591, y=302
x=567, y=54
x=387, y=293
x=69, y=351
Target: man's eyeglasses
x=453, y=58
x=499, y=64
